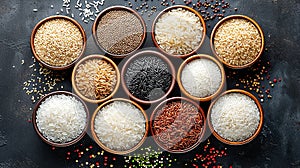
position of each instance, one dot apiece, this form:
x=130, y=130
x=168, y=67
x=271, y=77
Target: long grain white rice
x=178, y=31
x=120, y=125
x=61, y=118
x=235, y=116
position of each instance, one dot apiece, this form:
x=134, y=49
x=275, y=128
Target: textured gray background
x=277, y=146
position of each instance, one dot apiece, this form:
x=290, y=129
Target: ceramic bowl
x=195, y=57
x=172, y=8
x=95, y=57
x=249, y=139
x=56, y=144
x=115, y=8
x=155, y=113
x=103, y=146
x=142, y=54
x=39, y=24
x=237, y=17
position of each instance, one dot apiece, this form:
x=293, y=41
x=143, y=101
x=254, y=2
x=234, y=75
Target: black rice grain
x=148, y=78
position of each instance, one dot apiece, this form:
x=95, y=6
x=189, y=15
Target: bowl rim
x=118, y=7
x=101, y=57
x=141, y=54
x=195, y=57
x=40, y=23
x=261, y=33
x=259, y=127
x=96, y=139
x=188, y=9
x=56, y=144
x=200, y=110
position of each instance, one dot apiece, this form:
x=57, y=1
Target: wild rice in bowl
x=61, y=118
x=178, y=31
x=95, y=78
x=119, y=125
x=237, y=41
x=58, y=42
x=235, y=117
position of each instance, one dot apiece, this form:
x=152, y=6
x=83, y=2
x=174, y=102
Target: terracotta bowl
x=141, y=54
x=46, y=20
x=49, y=141
x=98, y=57
x=95, y=137
x=220, y=138
x=112, y=8
x=195, y=57
x=169, y=9
x=237, y=17
x=159, y=107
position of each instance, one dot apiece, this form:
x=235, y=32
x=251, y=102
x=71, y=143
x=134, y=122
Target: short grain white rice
x=201, y=77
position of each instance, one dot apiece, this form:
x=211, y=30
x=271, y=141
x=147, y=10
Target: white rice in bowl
x=61, y=118
x=178, y=31
x=120, y=125
x=201, y=78
x=235, y=117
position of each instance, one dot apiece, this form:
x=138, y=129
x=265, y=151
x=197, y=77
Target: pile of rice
x=201, y=77
x=237, y=42
x=120, y=125
x=58, y=42
x=178, y=31
x=61, y=118
x=235, y=116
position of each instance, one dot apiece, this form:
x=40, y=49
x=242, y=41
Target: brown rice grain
x=237, y=42
x=58, y=42
x=95, y=79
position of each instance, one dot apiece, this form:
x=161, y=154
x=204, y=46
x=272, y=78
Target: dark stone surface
x=276, y=146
